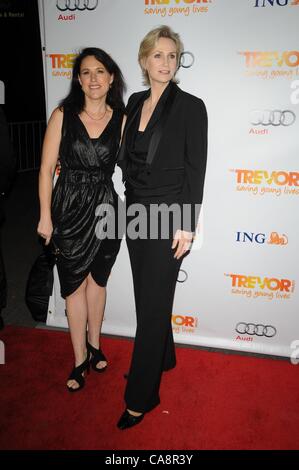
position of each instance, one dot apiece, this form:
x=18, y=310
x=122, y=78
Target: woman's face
x=94, y=78
x=161, y=63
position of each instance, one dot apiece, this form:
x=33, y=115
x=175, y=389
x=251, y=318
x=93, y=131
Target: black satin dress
x=84, y=183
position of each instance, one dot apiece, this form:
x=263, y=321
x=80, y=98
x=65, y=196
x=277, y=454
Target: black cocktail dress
x=84, y=183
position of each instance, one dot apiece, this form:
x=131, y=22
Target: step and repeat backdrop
x=237, y=290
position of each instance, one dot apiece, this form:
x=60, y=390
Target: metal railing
x=27, y=139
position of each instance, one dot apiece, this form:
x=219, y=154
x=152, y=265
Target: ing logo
x=273, y=3
x=261, y=238
x=276, y=239
x=251, y=237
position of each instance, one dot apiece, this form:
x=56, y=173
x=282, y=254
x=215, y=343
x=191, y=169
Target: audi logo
x=272, y=117
x=73, y=5
x=187, y=60
x=182, y=276
x=258, y=330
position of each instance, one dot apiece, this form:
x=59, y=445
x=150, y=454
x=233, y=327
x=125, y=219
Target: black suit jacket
x=178, y=146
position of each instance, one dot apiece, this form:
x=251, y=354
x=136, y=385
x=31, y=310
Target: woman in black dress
x=163, y=157
x=84, y=134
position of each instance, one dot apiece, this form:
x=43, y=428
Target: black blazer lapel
x=159, y=126
x=130, y=118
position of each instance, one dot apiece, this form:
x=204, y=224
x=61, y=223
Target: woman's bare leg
x=96, y=301
x=76, y=307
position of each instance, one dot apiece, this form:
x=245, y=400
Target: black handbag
x=39, y=285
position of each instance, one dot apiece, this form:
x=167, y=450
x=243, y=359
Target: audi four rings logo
x=258, y=330
x=187, y=60
x=272, y=117
x=79, y=5
x=183, y=276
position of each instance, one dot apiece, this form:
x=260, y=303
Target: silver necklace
x=95, y=119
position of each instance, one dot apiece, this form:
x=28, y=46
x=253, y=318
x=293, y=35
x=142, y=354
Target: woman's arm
x=195, y=168
x=49, y=160
x=123, y=126
x=195, y=158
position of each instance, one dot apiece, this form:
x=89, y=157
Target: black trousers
x=155, y=272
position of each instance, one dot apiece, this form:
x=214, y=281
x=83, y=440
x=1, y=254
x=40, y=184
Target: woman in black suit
x=163, y=159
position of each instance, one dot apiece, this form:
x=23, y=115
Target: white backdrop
x=237, y=289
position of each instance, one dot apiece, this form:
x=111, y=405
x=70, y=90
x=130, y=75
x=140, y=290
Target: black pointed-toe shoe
x=127, y=420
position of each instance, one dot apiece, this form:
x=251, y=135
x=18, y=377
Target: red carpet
x=210, y=401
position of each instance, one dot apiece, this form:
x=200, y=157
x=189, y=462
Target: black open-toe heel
x=97, y=356
x=77, y=372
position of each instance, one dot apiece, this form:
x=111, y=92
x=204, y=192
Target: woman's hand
x=45, y=229
x=182, y=242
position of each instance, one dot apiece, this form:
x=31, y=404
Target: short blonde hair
x=149, y=42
